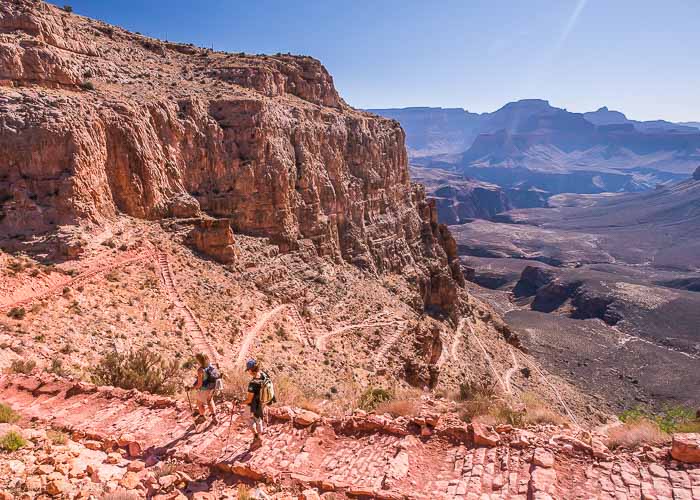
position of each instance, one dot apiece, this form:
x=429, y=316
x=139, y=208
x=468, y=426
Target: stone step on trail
x=340, y=454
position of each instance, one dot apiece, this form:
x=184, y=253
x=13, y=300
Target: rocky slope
x=97, y=121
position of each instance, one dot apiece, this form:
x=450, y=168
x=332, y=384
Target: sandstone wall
x=96, y=121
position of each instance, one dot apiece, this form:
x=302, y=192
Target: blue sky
x=637, y=56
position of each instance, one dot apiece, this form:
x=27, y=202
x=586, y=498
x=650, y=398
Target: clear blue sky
x=637, y=56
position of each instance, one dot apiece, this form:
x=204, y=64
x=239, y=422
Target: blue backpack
x=212, y=378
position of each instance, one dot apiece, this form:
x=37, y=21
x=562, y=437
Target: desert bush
x=87, y=85
x=12, y=441
x=17, y=313
x=68, y=8
x=22, y=366
x=471, y=390
x=372, y=397
x=143, y=370
x=7, y=415
x=635, y=433
x=243, y=492
x=57, y=437
x=477, y=406
x=537, y=412
x=669, y=419
x=57, y=368
x=235, y=385
x=399, y=407
x=289, y=393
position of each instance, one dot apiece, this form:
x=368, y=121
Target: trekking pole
x=230, y=423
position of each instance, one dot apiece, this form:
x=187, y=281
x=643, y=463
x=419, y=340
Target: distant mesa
x=696, y=174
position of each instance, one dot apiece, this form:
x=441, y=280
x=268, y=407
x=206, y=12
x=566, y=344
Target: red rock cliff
x=96, y=121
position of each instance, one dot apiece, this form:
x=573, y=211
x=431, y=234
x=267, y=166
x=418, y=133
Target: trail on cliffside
x=365, y=456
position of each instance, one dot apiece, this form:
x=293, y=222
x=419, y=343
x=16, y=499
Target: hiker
x=207, y=375
x=260, y=393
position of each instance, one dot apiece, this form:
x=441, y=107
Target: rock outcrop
x=696, y=174
x=96, y=121
x=686, y=448
x=214, y=238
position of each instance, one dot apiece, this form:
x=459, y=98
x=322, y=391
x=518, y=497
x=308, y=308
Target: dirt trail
x=355, y=455
x=511, y=371
x=321, y=339
x=45, y=286
x=489, y=360
x=195, y=331
x=253, y=332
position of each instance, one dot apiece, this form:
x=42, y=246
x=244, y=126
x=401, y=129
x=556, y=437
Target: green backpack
x=267, y=390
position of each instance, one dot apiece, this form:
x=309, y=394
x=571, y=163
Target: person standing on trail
x=260, y=393
x=207, y=375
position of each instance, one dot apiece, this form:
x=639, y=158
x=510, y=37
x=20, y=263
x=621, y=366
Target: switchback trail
x=253, y=332
x=56, y=284
x=195, y=331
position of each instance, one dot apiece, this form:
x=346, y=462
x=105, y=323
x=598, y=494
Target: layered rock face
x=96, y=121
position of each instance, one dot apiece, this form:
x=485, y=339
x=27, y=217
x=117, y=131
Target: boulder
x=686, y=447
x=306, y=418
x=543, y=458
x=310, y=495
x=214, y=238
x=484, y=435
x=183, y=206
x=130, y=481
x=136, y=466
x=58, y=487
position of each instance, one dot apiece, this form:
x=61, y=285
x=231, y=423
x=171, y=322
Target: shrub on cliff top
x=143, y=370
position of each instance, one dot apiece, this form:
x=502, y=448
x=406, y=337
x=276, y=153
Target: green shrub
x=87, y=85
x=22, y=366
x=57, y=437
x=57, y=368
x=372, y=397
x=17, y=313
x=143, y=370
x=68, y=8
x=669, y=419
x=7, y=415
x=12, y=441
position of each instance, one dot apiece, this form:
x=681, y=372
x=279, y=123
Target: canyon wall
x=96, y=121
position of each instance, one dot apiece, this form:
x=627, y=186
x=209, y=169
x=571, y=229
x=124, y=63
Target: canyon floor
x=602, y=289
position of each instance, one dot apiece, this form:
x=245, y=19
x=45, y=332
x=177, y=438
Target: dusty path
x=321, y=339
x=489, y=360
x=47, y=286
x=359, y=456
x=253, y=332
x=511, y=371
x=194, y=330
x=381, y=353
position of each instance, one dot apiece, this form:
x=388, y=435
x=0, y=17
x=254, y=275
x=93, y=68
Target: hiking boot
x=215, y=421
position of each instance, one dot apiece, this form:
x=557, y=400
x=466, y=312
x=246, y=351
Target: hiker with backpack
x=260, y=393
x=207, y=380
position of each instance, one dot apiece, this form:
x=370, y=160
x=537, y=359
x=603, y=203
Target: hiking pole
x=230, y=423
x=188, y=401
